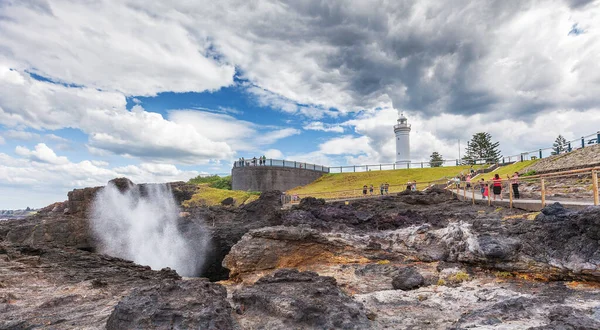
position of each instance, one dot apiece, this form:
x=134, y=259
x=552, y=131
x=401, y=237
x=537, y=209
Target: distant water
x=144, y=229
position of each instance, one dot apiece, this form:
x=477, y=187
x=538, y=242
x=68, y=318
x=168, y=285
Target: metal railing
x=257, y=162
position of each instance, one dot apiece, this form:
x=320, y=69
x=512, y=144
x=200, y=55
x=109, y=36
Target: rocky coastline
x=418, y=260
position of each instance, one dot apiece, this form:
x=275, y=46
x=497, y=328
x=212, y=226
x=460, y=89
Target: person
x=497, y=186
x=254, y=161
x=381, y=189
x=482, y=187
x=414, y=186
x=468, y=180
x=457, y=181
x=486, y=192
x=243, y=162
x=409, y=185
x=365, y=190
x=514, y=182
x=260, y=161
x=371, y=190
x=264, y=160
x=471, y=170
x=387, y=187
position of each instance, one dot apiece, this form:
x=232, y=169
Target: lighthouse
x=402, y=131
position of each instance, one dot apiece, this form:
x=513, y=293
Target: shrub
x=213, y=181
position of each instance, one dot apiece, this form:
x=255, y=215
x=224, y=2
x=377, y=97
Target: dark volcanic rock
x=123, y=184
x=228, y=201
x=66, y=288
x=191, y=304
x=408, y=278
x=289, y=299
x=564, y=317
x=227, y=225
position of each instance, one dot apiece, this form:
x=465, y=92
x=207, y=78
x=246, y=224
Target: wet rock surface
x=289, y=299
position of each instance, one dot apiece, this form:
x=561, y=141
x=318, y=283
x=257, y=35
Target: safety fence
x=577, y=187
x=280, y=163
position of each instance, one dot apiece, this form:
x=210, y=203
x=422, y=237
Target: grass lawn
x=509, y=169
x=206, y=196
x=342, y=185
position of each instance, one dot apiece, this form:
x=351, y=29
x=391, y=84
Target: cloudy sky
x=164, y=90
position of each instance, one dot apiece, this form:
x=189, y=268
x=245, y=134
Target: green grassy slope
x=331, y=185
x=509, y=169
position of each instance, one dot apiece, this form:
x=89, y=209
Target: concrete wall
x=265, y=178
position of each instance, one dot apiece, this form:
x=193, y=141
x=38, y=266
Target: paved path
x=527, y=204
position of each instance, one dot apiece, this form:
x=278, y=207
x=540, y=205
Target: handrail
x=258, y=162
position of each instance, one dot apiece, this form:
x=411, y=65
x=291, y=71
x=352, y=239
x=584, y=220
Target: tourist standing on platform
x=468, y=180
x=365, y=190
x=413, y=186
x=381, y=189
x=387, y=187
x=482, y=187
x=371, y=190
x=514, y=182
x=409, y=185
x=497, y=186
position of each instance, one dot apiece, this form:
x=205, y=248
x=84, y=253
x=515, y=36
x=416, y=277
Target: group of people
x=496, y=183
x=384, y=189
x=260, y=161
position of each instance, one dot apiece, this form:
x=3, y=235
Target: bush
x=213, y=181
x=530, y=173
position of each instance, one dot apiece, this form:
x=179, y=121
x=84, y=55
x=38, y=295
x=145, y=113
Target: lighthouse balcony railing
x=402, y=126
x=280, y=163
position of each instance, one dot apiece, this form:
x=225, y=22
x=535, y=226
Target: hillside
x=580, y=158
x=352, y=183
x=207, y=196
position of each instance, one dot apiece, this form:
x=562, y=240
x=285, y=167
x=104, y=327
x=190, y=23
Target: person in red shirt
x=497, y=186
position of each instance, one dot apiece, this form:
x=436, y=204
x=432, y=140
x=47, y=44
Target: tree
x=560, y=145
x=436, y=160
x=481, y=147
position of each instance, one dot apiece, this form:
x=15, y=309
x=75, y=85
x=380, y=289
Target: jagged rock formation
x=196, y=304
x=454, y=266
x=289, y=299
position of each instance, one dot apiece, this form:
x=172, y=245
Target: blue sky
x=164, y=91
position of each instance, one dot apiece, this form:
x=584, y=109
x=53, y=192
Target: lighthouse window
x=398, y=139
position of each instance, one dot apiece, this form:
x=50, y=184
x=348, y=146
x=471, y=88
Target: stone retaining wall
x=265, y=178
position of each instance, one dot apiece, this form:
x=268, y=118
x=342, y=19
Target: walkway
x=525, y=204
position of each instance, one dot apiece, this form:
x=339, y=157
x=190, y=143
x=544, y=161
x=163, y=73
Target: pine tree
x=481, y=147
x=560, y=145
x=436, y=160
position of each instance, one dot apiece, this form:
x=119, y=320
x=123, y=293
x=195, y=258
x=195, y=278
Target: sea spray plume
x=142, y=225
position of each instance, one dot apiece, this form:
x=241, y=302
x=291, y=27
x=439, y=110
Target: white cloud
x=320, y=126
x=111, y=46
x=2, y=141
x=103, y=116
x=21, y=135
x=42, y=154
x=274, y=154
x=43, y=171
x=56, y=138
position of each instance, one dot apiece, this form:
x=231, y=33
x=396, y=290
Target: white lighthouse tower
x=402, y=130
